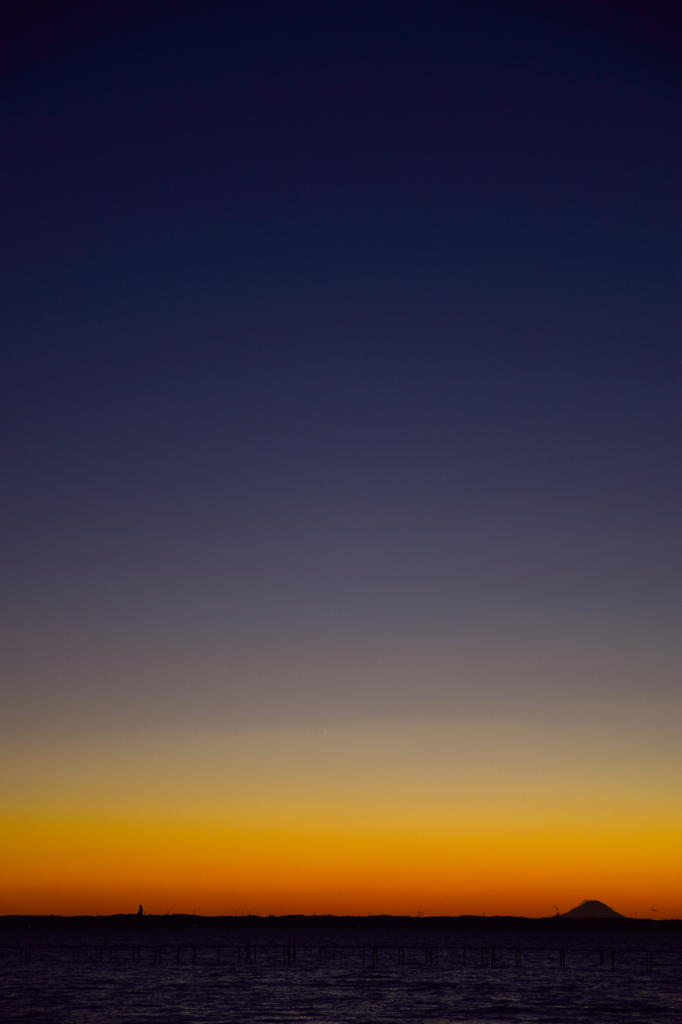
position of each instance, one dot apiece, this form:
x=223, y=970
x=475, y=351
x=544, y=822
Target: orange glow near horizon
x=108, y=867
x=365, y=820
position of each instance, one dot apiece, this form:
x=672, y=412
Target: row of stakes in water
x=428, y=955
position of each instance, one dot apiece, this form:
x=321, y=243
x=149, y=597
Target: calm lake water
x=329, y=970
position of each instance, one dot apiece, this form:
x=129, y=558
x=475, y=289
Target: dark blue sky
x=336, y=328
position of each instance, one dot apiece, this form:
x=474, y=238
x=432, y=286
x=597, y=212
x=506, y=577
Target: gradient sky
x=340, y=399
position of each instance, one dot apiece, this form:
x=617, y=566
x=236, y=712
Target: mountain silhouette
x=592, y=908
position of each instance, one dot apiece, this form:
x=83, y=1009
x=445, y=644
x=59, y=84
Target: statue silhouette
x=140, y=911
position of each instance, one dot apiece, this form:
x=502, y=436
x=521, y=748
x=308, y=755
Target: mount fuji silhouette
x=592, y=908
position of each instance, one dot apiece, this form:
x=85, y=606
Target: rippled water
x=345, y=971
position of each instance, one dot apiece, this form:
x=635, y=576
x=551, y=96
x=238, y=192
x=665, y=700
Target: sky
x=340, y=404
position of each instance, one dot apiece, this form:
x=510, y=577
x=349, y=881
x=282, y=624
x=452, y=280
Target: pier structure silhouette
x=374, y=955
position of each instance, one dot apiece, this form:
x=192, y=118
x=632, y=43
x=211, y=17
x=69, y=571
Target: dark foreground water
x=329, y=970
